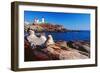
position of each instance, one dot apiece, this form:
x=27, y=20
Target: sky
x=73, y=21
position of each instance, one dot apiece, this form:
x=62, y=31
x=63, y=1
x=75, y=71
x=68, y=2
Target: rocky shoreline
x=61, y=50
x=44, y=47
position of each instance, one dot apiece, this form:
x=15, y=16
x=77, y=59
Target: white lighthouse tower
x=43, y=20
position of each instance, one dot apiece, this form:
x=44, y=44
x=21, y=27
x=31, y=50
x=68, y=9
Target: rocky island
x=44, y=26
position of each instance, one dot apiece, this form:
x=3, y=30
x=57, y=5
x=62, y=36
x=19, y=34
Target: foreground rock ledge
x=61, y=50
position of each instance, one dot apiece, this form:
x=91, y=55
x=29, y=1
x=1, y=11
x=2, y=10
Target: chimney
x=36, y=20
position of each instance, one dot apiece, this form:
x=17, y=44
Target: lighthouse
x=43, y=19
x=36, y=20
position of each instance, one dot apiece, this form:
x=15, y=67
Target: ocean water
x=70, y=36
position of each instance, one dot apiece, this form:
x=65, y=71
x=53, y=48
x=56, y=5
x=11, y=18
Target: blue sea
x=70, y=35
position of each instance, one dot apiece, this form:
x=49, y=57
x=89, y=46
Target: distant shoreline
x=65, y=31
